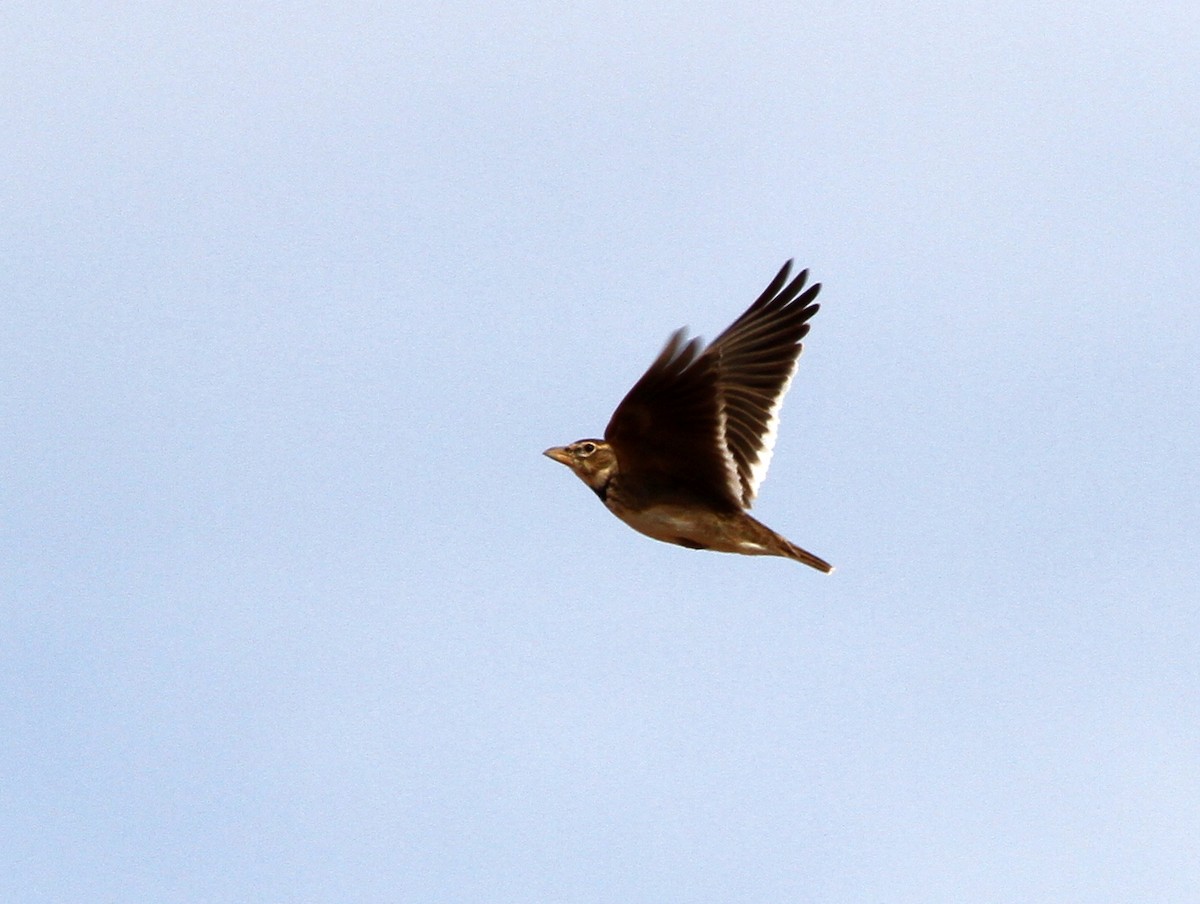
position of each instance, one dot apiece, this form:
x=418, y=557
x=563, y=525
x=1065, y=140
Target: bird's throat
x=601, y=490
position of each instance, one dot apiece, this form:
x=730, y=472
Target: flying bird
x=686, y=450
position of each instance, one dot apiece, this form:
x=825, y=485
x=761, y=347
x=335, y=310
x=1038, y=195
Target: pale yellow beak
x=559, y=454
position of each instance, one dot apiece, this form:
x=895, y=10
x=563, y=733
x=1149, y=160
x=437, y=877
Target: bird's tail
x=772, y=544
x=792, y=551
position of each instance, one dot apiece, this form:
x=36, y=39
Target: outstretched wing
x=755, y=360
x=668, y=428
x=706, y=420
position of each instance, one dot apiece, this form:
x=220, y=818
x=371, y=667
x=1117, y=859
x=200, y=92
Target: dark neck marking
x=602, y=490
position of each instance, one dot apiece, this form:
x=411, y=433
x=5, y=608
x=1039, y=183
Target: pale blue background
x=294, y=609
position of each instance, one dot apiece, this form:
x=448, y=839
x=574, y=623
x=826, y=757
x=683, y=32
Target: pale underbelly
x=685, y=526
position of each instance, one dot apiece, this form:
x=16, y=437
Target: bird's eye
x=587, y=448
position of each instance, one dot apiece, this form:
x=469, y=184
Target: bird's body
x=686, y=450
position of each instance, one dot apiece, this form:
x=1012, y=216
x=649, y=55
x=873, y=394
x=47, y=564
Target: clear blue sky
x=294, y=609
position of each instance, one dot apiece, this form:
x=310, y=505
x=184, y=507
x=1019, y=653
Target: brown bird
x=688, y=447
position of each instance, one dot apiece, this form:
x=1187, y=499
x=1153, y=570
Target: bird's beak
x=559, y=454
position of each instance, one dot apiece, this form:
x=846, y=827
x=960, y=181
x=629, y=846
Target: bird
x=685, y=452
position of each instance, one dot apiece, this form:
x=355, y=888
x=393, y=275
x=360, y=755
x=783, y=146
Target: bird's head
x=592, y=460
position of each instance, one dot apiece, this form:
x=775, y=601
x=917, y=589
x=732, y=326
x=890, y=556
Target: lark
x=688, y=447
